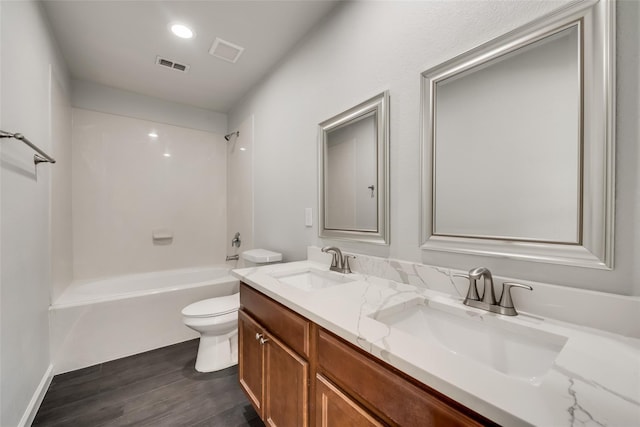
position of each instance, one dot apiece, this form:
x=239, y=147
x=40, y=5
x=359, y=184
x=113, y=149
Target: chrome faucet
x=339, y=262
x=488, y=300
x=488, y=294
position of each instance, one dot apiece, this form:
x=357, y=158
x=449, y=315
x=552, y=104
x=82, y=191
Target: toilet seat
x=213, y=307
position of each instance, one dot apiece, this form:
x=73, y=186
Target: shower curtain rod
x=37, y=158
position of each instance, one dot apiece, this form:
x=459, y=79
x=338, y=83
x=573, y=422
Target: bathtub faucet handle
x=236, y=240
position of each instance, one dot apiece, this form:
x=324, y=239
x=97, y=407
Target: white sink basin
x=516, y=350
x=311, y=279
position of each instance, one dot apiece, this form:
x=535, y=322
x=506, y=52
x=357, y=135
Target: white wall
x=97, y=97
x=628, y=131
x=364, y=48
x=124, y=188
x=27, y=52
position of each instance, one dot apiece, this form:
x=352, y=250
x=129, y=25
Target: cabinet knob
x=263, y=340
x=258, y=336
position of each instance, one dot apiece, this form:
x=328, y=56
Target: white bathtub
x=100, y=320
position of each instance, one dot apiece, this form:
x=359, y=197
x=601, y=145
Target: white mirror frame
x=596, y=21
x=379, y=106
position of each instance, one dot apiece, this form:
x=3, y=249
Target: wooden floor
x=157, y=388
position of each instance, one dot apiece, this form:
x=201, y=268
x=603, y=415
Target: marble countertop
x=593, y=381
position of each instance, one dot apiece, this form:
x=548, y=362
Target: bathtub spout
x=233, y=257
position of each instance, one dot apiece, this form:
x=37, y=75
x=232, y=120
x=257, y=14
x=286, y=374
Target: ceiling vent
x=164, y=62
x=224, y=50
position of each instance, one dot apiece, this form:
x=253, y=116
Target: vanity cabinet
x=296, y=373
x=273, y=375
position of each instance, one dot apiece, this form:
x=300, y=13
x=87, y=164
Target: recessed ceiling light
x=182, y=31
x=153, y=135
x=167, y=154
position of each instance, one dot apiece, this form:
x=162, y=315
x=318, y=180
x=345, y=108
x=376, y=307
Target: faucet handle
x=236, y=240
x=346, y=267
x=505, y=298
x=334, y=259
x=472, y=292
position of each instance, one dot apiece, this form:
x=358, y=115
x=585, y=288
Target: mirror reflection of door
x=351, y=179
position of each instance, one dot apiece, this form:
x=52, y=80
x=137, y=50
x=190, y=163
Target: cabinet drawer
x=288, y=326
x=390, y=396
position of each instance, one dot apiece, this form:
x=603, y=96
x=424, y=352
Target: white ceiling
x=115, y=43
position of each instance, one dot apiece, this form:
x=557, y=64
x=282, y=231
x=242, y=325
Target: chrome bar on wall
x=37, y=158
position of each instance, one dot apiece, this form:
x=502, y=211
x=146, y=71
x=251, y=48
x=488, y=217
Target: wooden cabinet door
x=336, y=409
x=286, y=386
x=251, y=360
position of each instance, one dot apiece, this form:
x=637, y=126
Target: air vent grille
x=226, y=50
x=171, y=64
x=179, y=67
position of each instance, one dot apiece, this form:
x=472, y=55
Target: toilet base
x=217, y=352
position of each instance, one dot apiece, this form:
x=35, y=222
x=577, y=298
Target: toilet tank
x=259, y=257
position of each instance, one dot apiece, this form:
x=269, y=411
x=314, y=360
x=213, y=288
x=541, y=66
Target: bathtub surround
x=240, y=190
x=28, y=91
x=423, y=35
x=127, y=183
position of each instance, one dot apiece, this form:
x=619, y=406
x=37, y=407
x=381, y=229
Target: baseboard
x=38, y=396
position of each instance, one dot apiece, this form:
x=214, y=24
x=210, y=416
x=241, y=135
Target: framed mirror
x=517, y=143
x=353, y=153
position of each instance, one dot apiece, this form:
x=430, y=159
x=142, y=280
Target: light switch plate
x=308, y=217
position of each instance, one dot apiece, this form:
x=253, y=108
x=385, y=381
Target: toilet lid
x=213, y=306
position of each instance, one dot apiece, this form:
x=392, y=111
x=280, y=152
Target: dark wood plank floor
x=156, y=388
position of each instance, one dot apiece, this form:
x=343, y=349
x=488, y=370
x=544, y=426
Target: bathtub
x=105, y=319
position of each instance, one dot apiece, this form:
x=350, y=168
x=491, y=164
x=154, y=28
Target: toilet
x=216, y=319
